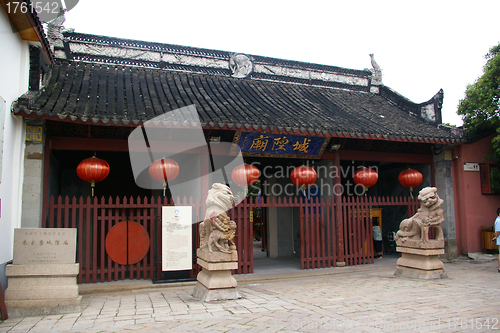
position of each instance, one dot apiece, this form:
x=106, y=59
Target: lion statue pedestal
x=419, y=254
x=217, y=253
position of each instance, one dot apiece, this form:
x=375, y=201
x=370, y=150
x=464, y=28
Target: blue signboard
x=280, y=145
x=312, y=195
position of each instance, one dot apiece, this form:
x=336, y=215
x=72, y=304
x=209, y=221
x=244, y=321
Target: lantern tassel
x=411, y=192
x=302, y=187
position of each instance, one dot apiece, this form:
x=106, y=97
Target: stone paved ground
x=355, y=299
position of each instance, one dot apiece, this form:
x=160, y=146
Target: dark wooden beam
x=88, y=144
x=373, y=156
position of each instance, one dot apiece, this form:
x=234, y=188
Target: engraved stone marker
x=42, y=278
x=44, y=246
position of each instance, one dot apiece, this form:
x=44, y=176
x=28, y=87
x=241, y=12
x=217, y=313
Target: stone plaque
x=42, y=246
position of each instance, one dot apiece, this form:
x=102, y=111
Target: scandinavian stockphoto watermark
x=178, y=136
x=324, y=184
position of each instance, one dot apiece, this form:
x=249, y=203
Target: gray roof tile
x=103, y=92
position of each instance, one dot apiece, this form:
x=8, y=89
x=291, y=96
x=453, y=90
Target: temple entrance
x=287, y=243
x=280, y=226
x=322, y=233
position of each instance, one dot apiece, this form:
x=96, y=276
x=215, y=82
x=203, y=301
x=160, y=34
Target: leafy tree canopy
x=480, y=109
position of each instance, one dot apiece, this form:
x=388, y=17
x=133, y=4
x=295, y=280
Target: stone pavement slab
x=350, y=299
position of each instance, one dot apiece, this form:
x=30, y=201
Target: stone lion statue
x=429, y=215
x=222, y=234
x=217, y=229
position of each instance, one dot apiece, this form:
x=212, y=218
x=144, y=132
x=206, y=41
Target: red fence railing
x=358, y=222
x=320, y=229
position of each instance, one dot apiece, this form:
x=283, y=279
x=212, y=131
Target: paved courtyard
x=356, y=299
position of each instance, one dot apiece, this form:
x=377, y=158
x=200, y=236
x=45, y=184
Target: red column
x=338, y=215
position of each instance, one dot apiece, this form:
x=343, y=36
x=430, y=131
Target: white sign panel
x=471, y=166
x=177, y=247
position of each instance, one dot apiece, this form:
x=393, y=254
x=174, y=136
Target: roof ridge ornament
x=241, y=65
x=55, y=35
x=377, y=71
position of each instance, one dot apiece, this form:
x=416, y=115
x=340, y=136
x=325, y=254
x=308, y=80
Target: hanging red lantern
x=410, y=178
x=365, y=177
x=92, y=170
x=245, y=174
x=303, y=176
x=164, y=170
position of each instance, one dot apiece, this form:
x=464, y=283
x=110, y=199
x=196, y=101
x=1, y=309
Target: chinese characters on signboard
x=280, y=145
x=44, y=246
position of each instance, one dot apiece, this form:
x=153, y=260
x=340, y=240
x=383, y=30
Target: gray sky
x=421, y=46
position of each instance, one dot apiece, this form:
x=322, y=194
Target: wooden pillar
x=46, y=172
x=205, y=170
x=272, y=220
x=338, y=215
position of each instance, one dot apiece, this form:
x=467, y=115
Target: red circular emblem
x=137, y=241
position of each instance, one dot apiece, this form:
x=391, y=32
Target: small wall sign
x=471, y=166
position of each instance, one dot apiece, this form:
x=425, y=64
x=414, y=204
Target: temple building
x=280, y=113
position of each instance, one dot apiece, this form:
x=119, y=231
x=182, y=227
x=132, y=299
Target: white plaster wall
x=14, y=71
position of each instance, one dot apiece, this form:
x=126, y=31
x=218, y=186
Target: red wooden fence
x=358, y=231
x=319, y=231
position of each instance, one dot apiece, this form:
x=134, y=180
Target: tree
x=480, y=109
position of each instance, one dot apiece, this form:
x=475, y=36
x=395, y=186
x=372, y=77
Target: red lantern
x=92, y=170
x=366, y=177
x=410, y=178
x=303, y=176
x=245, y=174
x=164, y=170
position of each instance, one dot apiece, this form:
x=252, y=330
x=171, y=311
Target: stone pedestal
x=37, y=290
x=215, y=281
x=420, y=260
x=42, y=278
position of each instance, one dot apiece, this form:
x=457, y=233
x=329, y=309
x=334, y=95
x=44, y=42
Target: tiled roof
x=128, y=95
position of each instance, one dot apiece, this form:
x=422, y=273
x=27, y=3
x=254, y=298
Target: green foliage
x=480, y=109
x=252, y=190
x=495, y=180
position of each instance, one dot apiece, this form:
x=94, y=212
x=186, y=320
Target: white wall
x=14, y=71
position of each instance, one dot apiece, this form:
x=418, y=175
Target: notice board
x=177, y=239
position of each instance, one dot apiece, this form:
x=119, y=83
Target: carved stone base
x=418, y=244
x=215, y=281
x=28, y=308
x=420, y=273
x=37, y=290
x=216, y=256
x=207, y=295
x=420, y=263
